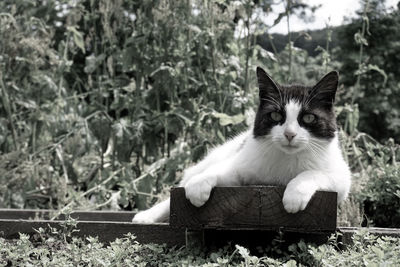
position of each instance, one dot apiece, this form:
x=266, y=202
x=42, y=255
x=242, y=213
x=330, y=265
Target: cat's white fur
x=304, y=165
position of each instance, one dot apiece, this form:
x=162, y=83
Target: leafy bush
x=381, y=194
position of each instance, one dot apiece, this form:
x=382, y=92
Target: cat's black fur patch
x=317, y=100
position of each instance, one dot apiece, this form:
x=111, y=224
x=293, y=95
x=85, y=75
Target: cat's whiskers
x=276, y=139
x=301, y=143
x=271, y=100
x=315, y=148
x=264, y=146
x=313, y=151
x=280, y=95
x=316, y=143
x=265, y=152
x=314, y=95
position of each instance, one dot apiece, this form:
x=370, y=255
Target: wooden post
x=253, y=208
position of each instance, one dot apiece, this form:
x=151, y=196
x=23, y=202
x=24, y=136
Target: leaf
x=354, y=117
x=243, y=251
x=194, y=28
x=78, y=38
x=225, y=119
x=199, y=151
x=220, y=135
x=279, y=18
x=381, y=72
x=290, y=263
x=27, y=103
x=101, y=129
x=92, y=62
x=359, y=38
x=378, y=252
x=124, y=148
x=164, y=67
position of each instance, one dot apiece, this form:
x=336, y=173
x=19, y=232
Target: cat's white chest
x=270, y=166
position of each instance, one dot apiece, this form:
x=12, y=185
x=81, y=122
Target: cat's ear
x=325, y=90
x=267, y=87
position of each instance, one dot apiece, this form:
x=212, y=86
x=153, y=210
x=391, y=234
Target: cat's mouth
x=289, y=146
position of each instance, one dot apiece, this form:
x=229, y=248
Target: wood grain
x=12, y=223
x=30, y=214
x=105, y=231
x=253, y=207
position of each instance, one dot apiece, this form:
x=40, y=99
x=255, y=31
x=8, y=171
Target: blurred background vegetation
x=105, y=103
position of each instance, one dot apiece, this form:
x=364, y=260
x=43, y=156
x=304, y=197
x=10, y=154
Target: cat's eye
x=309, y=118
x=276, y=116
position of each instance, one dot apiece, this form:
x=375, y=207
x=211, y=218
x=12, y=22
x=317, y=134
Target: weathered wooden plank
x=348, y=232
x=253, y=207
x=163, y=233
x=30, y=214
x=319, y=215
x=105, y=231
x=372, y=230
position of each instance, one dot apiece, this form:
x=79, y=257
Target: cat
x=293, y=142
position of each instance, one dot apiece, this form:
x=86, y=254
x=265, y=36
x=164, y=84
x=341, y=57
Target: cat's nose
x=289, y=135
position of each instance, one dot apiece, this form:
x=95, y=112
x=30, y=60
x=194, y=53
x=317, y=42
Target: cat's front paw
x=295, y=200
x=198, y=190
x=144, y=217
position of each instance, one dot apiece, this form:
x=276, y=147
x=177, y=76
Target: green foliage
x=381, y=194
x=116, y=86
x=49, y=248
x=105, y=103
x=376, y=64
x=366, y=250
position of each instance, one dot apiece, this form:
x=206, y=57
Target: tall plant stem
x=246, y=74
x=186, y=46
x=65, y=59
x=6, y=103
x=82, y=195
x=288, y=4
x=328, y=40
x=360, y=55
x=213, y=55
x=360, y=63
x=271, y=42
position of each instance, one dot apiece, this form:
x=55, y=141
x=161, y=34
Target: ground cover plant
x=52, y=247
x=104, y=103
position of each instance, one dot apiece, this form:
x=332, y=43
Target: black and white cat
x=293, y=142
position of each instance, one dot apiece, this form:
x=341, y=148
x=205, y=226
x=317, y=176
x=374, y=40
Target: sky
x=336, y=10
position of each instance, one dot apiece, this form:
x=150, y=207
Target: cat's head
x=296, y=117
